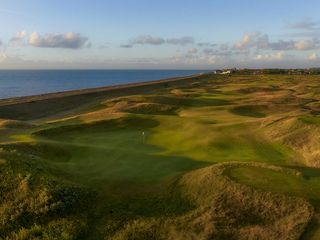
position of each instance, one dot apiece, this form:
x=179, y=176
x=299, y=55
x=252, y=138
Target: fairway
x=204, y=157
x=113, y=151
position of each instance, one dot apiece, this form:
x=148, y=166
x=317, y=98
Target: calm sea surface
x=16, y=83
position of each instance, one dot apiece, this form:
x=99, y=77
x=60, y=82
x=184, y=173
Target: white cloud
x=151, y=40
x=307, y=24
x=19, y=38
x=22, y=34
x=6, y=59
x=34, y=39
x=270, y=56
x=247, y=41
x=193, y=50
x=66, y=40
x=147, y=39
x=3, y=57
x=313, y=57
x=253, y=40
x=181, y=41
x=303, y=45
x=282, y=45
x=256, y=40
x=300, y=45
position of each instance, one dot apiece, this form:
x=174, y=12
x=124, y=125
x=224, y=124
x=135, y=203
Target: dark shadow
x=258, y=89
x=248, y=111
x=189, y=102
x=130, y=122
x=307, y=172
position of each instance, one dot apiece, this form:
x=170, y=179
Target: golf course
x=209, y=156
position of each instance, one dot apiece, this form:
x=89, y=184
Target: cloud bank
x=253, y=49
x=69, y=40
x=147, y=39
x=256, y=40
x=181, y=41
x=19, y=38
x=307, y=24
x=151, y=40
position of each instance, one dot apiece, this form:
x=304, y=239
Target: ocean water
x=17, y=83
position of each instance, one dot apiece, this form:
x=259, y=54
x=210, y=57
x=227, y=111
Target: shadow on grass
x=131, y=122
x=307, y=172
x=248, y=111
x=111, y=151
x=190, y=102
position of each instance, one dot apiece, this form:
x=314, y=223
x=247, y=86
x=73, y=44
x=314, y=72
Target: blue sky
x=159, y=34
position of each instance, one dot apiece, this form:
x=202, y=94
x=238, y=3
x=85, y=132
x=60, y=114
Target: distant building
x=222, y=71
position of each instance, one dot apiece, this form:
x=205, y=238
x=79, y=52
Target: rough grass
x=248, y=111
x=224, y=209
x=304, y=184
x=135, y=163
x=34, y=204
x=151, y=108
x=301, y=134
x=14, y=124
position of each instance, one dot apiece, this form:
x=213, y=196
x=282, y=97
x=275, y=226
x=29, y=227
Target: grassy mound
x=249, y=111
x=301, y=134
x=36, y=204
x=171, y=100
x=249, y=90
x=165, y=162
x=304, y=184
x=14, y=124
x=223, y=209
x=137, y=123
x=151, y=108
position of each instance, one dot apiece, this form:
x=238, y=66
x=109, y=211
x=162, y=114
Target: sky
x=166, y=34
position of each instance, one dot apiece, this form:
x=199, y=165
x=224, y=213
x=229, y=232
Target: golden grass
x=198, y=121
x=303, y=137
x=14, y=124
x=224, y=209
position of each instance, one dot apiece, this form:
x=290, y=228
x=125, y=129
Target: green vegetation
x=306, y=185
x=248, y=111
x=212, y=157
x=310, y=120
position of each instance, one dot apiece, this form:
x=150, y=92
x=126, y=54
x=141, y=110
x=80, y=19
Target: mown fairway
x=213, y=157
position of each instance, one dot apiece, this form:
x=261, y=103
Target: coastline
x=38, y=97
x=37, y=106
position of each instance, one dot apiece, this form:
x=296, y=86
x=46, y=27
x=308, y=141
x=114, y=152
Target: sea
x=18, y=83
